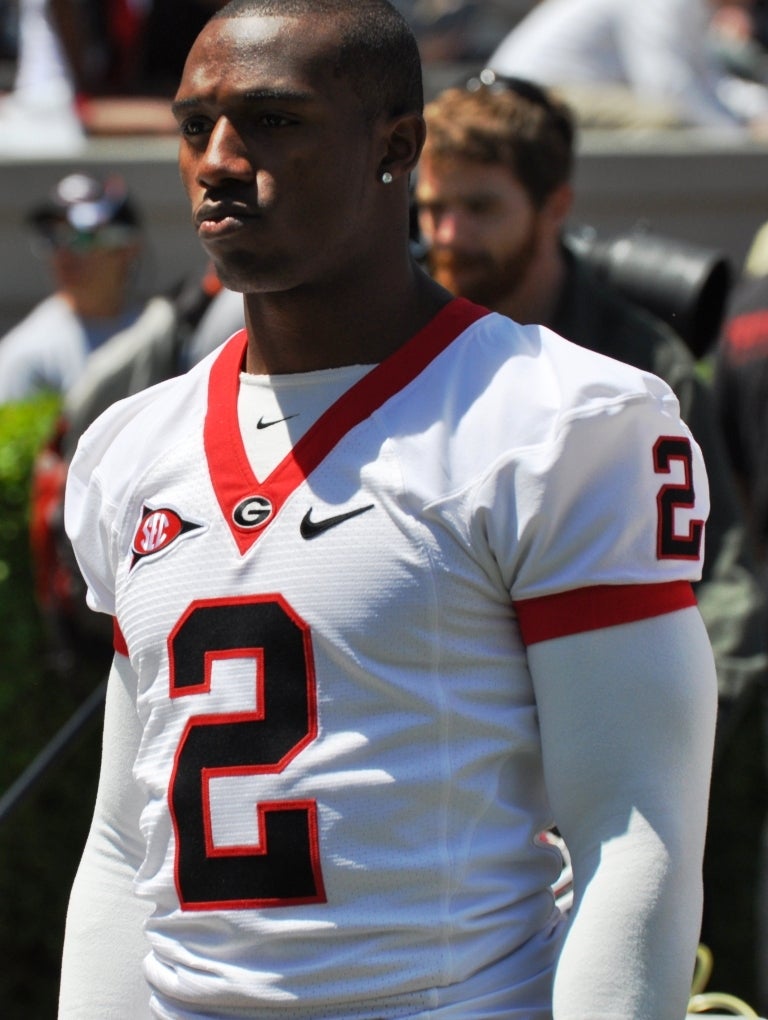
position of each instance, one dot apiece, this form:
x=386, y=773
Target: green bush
x=23, y=429
x=41, y=840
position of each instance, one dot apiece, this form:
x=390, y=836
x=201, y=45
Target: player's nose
x=226, y=157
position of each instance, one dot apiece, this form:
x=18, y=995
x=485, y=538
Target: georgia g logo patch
x=252, y=512
x=157, y=530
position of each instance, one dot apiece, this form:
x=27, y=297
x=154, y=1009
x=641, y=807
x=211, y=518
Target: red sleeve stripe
x=118, y=641
x=605, y=605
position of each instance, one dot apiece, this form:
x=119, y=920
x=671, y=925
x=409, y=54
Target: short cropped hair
x=378, y=51
x=507, y=121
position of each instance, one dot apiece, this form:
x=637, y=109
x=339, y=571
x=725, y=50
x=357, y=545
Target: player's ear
x=402, y=140
x=559, y=203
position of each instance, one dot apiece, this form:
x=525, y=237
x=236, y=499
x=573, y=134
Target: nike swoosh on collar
x=232, y=478
x=261, y=424
x=311, y=529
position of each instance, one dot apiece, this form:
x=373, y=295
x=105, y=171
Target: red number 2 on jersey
x=284, y=868
x=670, y=542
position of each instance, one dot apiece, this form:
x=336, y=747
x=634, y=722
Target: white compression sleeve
x=104, y=944
x=627, y=720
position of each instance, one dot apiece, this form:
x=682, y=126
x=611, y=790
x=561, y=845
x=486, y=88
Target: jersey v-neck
x=275, y=411
x=239, y=492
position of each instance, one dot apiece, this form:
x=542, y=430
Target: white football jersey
x=341, y=764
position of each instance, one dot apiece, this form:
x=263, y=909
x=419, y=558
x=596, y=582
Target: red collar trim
x=233, y=480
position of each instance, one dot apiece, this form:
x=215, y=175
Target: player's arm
x=627, y=722
x=104, y=944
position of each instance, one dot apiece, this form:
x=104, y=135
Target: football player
x=397, y=584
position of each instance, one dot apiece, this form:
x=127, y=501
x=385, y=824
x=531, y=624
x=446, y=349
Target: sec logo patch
x=157, y=530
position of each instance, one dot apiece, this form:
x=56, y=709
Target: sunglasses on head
x=494, y=83
x=63, y=237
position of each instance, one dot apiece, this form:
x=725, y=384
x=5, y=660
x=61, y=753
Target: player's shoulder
x=543, y=377
x=501, y=393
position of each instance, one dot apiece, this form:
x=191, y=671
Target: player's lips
x=218, y=219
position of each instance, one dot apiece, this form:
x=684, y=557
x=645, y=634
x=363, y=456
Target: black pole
x=56, y=748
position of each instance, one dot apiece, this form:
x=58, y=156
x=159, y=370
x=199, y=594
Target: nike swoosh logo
x=311, y=529
x=261, y=424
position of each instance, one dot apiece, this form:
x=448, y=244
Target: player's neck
x=303, y=331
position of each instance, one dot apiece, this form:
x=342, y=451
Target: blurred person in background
x=175, y=329
x=40, y=115
x=741, y=400
x=494, y=193
x=461, y=31
x=94, y=67
x=622, y=64
x=739, y=38
x=741, y=387
x=90, y=235
x=167, y=31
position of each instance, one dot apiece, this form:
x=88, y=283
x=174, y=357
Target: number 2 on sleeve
x=673, y=541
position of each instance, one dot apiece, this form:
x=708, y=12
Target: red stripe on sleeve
x=118, y=641
x=605, y=605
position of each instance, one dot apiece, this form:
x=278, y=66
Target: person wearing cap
x=89, y=233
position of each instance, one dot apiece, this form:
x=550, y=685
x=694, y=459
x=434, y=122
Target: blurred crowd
x=76, y=67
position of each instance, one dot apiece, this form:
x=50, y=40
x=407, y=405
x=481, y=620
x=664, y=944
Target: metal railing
x=54, y=752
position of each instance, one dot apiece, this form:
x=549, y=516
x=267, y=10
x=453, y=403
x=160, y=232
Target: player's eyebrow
x=180, y=106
